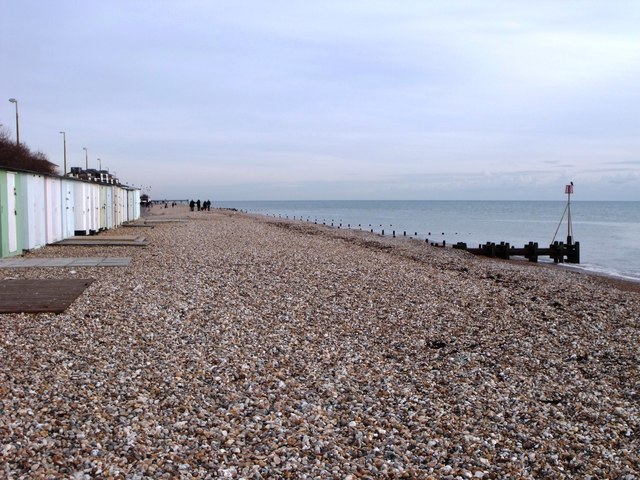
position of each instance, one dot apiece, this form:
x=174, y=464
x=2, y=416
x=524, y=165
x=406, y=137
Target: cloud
x=356, y=99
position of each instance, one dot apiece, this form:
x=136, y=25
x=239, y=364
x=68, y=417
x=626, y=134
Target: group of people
x=200, y=206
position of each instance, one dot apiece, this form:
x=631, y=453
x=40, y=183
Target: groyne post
x=573, y=253
x=531, y=252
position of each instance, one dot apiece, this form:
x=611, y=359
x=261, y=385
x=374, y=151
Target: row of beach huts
x=38, y=209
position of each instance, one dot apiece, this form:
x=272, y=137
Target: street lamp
x=13, y=100
x=64, y=140
x=99, y=165
x=86, y=158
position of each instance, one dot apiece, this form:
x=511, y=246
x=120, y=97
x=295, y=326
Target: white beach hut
x=102, y=214
x=34, y=206
x=109, y=206
x=53, y=210
x=122, y=206
x=136, y=204
x=67, y=199
x=82, y=208
x=94, y=213
x=130, y=205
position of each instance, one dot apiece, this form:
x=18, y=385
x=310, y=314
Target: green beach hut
x=11, y=214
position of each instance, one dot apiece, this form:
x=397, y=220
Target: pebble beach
x=242, y=347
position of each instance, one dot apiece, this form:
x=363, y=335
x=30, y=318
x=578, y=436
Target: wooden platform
x=122, y=240
x=41, y=295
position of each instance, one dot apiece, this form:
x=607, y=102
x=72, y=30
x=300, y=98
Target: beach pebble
x=236, y=346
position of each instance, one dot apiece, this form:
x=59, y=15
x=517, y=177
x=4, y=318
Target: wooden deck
x=40, y=295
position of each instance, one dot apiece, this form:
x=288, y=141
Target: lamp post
x=13, y=100
x=64, y=141
x=99, y=165
x=86, y=158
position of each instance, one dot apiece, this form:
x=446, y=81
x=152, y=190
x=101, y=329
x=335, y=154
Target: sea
x=608, y=231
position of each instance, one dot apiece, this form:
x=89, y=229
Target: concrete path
x=149, y=222
x=65, y=262
x=104, y=240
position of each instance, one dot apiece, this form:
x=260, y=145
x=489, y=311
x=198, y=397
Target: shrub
x=20, y=157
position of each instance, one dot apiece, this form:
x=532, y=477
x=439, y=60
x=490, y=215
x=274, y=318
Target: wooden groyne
x=560, y=252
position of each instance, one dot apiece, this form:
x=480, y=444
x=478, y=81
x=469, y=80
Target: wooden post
x=574, y=257
x=569, y=190
x=531, y=252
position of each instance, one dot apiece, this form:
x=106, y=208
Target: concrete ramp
x=122, y=240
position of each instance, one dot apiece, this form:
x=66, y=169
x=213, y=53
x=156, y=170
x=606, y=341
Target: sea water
x=608, y=232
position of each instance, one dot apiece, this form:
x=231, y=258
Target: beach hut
x=130, y=205
x=94, y=211
x=11, y=214
x=82, y=208
x=114, y=205
x=122, y=206
x=37, y=209
x=109, y=206
x=34, y=206
x=67, y=199
x=115, y=200
x=136, y=204
x=53, y=209
x=102, y=214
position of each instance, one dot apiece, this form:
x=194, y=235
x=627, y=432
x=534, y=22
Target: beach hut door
x=12, y=213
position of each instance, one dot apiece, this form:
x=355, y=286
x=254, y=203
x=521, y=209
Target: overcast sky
x=249, y=100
